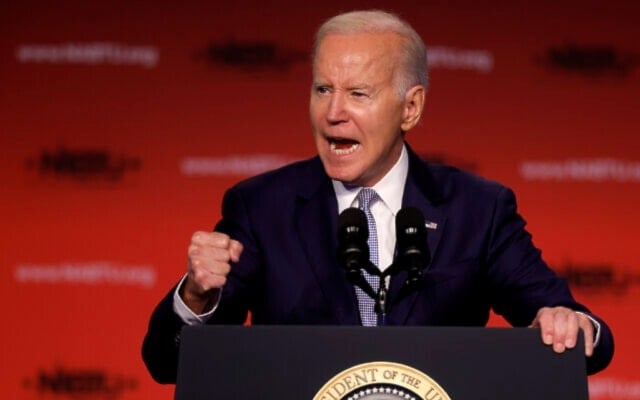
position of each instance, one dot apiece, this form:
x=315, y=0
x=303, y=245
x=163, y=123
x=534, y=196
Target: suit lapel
x=422, y=192
x=317, y=221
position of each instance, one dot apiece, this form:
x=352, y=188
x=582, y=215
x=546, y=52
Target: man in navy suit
x=273, y=254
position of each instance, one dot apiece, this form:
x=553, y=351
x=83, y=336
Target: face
x=357, y=115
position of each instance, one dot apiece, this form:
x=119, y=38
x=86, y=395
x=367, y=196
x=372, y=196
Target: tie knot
x=365, y=197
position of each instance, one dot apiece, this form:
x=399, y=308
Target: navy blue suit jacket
x=482, y=258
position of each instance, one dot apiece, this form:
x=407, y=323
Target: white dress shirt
x=390, y=190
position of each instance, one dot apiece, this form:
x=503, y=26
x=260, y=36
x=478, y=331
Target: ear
x=413, y=106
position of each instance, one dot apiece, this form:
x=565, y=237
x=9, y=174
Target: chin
x=349, y=174
x=342, y=176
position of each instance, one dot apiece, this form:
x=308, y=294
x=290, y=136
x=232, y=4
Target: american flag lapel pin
x=430, y=225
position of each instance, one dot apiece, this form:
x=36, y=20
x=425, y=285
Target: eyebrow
x=360, y=87
x=357, y=86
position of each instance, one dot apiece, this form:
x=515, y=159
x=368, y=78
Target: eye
x=321, y=89
x=359, y=94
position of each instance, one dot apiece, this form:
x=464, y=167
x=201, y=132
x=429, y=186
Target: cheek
x=373, y=124
x=364, y=120
x=388, y=121
x=315, y=114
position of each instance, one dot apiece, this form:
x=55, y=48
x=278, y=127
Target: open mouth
x=343, y=147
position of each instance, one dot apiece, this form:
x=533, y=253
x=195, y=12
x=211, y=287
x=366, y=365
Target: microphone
x=412, y=253
x=353, y=250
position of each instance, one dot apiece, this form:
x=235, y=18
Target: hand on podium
x=559, y=327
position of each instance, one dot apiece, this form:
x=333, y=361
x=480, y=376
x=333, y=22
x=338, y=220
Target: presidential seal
x=381, y=381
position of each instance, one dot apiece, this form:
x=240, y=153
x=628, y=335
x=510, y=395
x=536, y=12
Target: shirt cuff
x=596, y=327
x=185, y=313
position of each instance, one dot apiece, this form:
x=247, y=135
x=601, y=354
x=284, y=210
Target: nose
x=337, y=112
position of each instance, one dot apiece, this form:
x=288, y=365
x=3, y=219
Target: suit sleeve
x=161, y=343
x=160, y=347
x=522, y=283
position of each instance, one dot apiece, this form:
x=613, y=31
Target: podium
x=384, y=363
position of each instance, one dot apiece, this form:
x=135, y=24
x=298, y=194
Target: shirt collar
x=390, y=188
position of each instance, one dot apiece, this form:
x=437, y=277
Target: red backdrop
x=123, y=122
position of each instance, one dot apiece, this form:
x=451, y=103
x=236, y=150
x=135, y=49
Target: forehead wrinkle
x=353, y=60
x=353, y=69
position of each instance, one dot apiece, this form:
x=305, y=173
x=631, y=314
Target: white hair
x=413, y=61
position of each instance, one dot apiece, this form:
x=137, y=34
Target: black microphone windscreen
x=354, y=221
x=353, y=250
x=412, y=252
x=409, y=217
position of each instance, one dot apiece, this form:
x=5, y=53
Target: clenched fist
x=210, y=255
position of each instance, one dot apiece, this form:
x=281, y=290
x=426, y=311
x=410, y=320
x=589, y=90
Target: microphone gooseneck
x=412, y=253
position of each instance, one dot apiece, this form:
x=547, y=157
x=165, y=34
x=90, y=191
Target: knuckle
x=193, y=250
x=196, y=236
x=220, y=239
